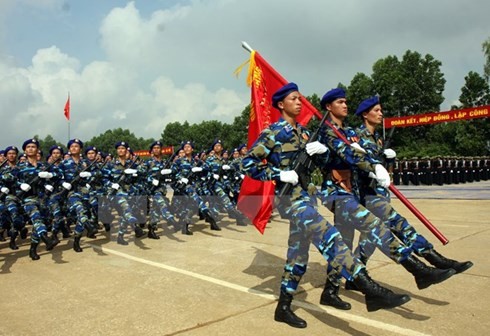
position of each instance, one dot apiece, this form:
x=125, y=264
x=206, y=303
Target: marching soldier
x=277, y=146
x=31, y=179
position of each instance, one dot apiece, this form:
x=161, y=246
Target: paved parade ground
x=226, y=282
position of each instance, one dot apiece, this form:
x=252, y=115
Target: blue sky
x=142, y=64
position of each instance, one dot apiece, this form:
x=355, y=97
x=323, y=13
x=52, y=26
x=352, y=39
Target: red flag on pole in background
x=67, y=109
x=256, y=197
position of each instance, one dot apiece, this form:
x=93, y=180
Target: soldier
x=343, y=195
x=186, y=169
x=117, y=177
x=377, y=198
x=216, y=167
x=157, y=186
x=75, y=179
x=270, y=158
x=13, y=208
x=31, y=179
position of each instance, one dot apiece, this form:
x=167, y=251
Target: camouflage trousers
x=350, y=214
x=31, y=207
x=160, y=209
x=77, y=206
x=380, y=207
x=14, y=211
x=307, y=226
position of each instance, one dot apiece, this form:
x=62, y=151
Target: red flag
x=256, y=197
x=67, y=108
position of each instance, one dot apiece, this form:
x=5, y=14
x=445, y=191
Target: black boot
x=330, y=297
x=91, y=231
x=426, y=275
x=211, y=221
x=284, y=313
x=76, y=243
x=151, y=233
x=377, y=296
x=439, y=261
x=2, y=237
x=138, y=232
x=33, y=251
x=107, y=227
x=54, y=237
x=23, y=233
x=12, y=243
x=185, y=229
x=49, y=243
x=120, y=240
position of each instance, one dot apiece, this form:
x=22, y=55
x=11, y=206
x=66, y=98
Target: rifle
x=302, y=163
x=123, y=175
x=36, y=178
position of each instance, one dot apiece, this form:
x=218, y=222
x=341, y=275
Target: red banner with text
x=438, y=117
x=165, y=151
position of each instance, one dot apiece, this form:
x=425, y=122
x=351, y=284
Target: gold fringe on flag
x=251, y=68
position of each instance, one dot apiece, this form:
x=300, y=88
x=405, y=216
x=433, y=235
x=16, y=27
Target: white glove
x=382, y=176
x=45, y=175
x=357, y=147
x=216, y=176
x=88, y=186
x=242, y=176
x=155, y=182
x=49, y=187
x=315, y=147
x=5, y=190
x=289, y=176
x=25, y=187
x=196, y=169
x=225, y=167
x=85, y=174
x=130, y=171
x=66, y=185
x=166, y=171
x=389, y=153
x=115, y=186
x=184, y=180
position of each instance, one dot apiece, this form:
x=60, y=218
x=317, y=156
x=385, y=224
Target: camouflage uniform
x=279, y=144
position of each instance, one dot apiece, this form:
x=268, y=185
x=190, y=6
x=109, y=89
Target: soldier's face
x=236, y=155
x=75, y=149
x=91, y=155
x=291, y=105
x=121, y=151
x=156, y=151
x=338, y=108
x=56, y=154
x=31, y=150
x=218, y=148
x=11, y=156
x=188, y=149
x=374, y=116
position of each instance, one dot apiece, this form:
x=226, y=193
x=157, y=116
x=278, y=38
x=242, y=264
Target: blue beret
x=242, y=146
x=235, y=150
x=9, y=148
x=56, y=147
x=75, y=141
x=30, y=141
x=155, y=143
x=282, y=93
x=2, y=151
x=188, y=142
x=367, y=104
x=122, y=143
x=130, y=151
x=40, y=152
x=90, y=148
x=331, y=95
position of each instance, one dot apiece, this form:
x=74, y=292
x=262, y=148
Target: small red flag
x=67, y=108
x=256, y=198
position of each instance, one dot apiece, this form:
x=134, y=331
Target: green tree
x=106, y=141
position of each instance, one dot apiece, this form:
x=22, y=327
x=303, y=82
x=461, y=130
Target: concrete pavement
x=226, y=282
